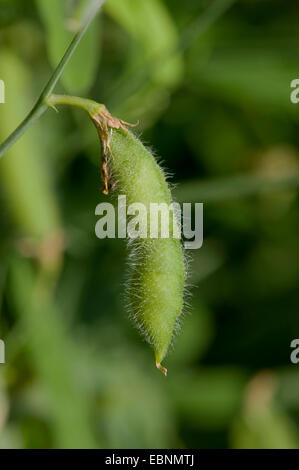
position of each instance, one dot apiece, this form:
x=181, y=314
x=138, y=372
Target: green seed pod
x=156, y=285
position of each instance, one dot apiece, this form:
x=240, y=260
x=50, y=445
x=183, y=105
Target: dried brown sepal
x=104, y=121
x=161, y=369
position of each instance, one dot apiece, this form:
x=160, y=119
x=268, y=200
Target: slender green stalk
x=40, y=107
x=87, y=105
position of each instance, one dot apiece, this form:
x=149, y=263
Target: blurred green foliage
x=210, y=83
x=61, y=20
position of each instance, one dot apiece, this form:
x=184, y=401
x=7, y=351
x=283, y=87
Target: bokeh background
x=209, y=82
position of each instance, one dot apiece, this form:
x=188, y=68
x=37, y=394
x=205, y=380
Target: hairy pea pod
x=156, y=285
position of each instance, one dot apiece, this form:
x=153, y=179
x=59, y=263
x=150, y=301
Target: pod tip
x=161, y=368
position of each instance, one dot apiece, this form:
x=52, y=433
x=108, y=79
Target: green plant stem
x=87, y=105
x=41, y=107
